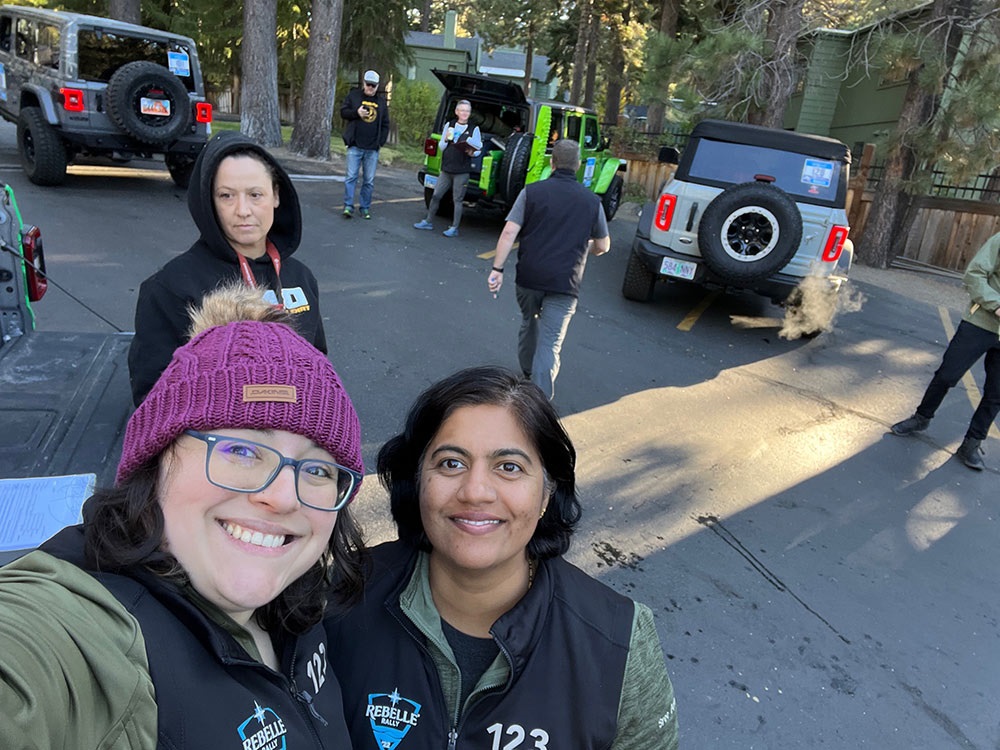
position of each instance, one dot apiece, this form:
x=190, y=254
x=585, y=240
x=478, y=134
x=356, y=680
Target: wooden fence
x=943, y=232
x=648, y=175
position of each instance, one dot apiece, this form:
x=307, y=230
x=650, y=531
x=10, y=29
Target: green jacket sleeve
x=982, y=281
x=647, y=711
x=982, y=277
x=73, y=669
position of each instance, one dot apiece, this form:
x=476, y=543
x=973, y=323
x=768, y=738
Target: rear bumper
x=106, y=141
x=777, y=286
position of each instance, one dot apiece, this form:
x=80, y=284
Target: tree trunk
x=125, y=10
x=580, y=52
x=669, y=12
x=425, y=16
x=882, y=240
x=616, y=78
x=784, y=25
x=592, y=39
x=311, y=135
x=529, y=57
x=260, y=117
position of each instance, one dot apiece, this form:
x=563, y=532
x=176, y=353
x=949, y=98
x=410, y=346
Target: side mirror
x=669, y=155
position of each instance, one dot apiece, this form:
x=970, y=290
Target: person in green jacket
x=978, y=334
x=184, y=612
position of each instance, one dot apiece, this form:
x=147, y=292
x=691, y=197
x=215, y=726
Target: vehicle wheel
x=514, y=166
x=428, y=193
x=749, y=232
x=43, y=154
x=639, y=280
x=139, y=80
x=612, y=197
x=180, y=168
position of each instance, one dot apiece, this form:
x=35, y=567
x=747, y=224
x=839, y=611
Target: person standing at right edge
x=367, y=116
x=559, y=222
x=978, y=334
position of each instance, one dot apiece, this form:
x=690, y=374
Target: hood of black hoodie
x=286, y=232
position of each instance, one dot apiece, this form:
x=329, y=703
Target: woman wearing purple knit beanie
x=184, y=611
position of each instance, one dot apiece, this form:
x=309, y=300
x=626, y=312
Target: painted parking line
x=317, y=177
x=971, y=389
x=692, y=317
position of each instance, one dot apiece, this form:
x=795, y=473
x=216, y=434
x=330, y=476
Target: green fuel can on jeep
x=518, y=134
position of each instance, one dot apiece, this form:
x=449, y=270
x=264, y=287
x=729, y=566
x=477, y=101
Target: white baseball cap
x=371, y=77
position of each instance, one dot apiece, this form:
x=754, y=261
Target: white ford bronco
x=748, y=208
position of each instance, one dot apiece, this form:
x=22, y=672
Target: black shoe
x=908, y=426
x=971, y=453
x=348, y=212
x=365, y=213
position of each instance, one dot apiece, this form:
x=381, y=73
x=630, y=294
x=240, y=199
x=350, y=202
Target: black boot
x=908, y=426
x=971, y=454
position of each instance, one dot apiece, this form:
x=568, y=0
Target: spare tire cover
x=514, y=168
x=148, y=102
x=749, y=231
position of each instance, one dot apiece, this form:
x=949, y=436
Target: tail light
x=835, y=243
x=72, y=100
x=203, y=112
x=431, y=147
x=34, y=263
x=665, y=211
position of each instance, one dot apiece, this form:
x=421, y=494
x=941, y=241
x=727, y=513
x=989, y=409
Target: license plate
x=159, y=107
x=678, y=268
x=430, y=180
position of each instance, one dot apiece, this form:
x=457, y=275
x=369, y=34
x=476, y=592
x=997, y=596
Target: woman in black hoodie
x=248, y=214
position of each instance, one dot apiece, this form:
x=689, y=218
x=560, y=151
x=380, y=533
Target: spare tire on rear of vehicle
x=749, y=232
x=514, y=167
x=148, y=102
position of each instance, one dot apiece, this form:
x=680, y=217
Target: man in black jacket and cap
x=367, y=115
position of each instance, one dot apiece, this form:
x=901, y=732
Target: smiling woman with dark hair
x=474, y=631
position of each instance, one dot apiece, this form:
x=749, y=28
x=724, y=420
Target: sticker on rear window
x=819, y=173
x=179, y=63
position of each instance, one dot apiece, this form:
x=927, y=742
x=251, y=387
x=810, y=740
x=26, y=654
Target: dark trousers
x=969, y=343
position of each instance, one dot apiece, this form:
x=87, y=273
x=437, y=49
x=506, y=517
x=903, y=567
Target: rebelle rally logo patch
x=391, y=717
x=263, y=730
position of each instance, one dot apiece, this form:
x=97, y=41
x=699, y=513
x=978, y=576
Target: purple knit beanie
x=245, y=375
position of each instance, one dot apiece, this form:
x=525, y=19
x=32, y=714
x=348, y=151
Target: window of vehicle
x=102, y=52
x=24, y=39
x=810, y=178
x=555, y=129
x=47, y=46
x=590, y=137
x=6, y=24
x=573, y=126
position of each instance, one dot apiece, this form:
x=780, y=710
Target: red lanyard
x=251, y=281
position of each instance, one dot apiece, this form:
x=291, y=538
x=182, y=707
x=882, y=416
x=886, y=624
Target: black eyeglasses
x=245, y=466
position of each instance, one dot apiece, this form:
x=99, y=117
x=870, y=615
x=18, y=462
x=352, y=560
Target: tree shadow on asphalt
x=843, y=604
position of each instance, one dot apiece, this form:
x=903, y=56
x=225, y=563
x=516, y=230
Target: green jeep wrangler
x=518, y=134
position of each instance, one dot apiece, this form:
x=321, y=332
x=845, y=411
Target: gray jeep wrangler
x=748, y=209
x=80, y=85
